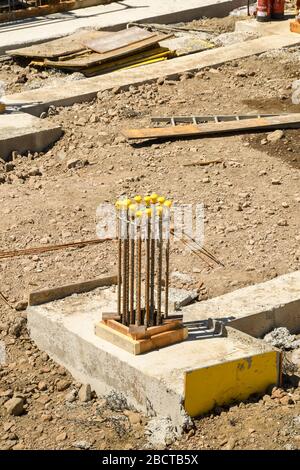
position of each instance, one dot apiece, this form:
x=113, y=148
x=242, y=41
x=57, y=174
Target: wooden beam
x=56, y=293
x=260, y=124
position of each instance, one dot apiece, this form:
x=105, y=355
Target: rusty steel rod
x=147, y=283
x=119, y=265
x=132, y=259
x=138, y=319
x=127, y=278
x=152, y=270
x=159, y=270
x=167, y=276
x=124, y=276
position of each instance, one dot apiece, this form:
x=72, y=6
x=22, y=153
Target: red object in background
x=263, y=10
x=277, y=9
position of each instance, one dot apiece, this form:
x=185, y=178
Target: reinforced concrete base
x=188, y=378
x=23, y=132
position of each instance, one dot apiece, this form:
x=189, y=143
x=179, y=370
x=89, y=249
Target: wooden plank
x=162, y=340
x=94, y=58
x=140, y=332
x=59, y=47
x=118, y=39
x=117, y=326
x=261, y=124
x=55, y=293
x=140, y=346
x=116, y=338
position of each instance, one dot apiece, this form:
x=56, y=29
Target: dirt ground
x=251, y=200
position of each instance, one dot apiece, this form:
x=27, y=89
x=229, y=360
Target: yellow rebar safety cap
x=153, y=198
x=147, y=200
x=138, y=199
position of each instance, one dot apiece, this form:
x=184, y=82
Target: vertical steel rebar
x=152, y=268
x=132, y=259
x=147, y=273
x=138, y=275
x=119, y=264
x=159, y=271
x=124, y=269
x=127, y=270
x=167, y=270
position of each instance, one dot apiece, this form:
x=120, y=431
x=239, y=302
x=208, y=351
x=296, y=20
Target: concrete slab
x=36, y=101
x=166, y=382
x=112, y=16
x=22, y=132
x=256, y=309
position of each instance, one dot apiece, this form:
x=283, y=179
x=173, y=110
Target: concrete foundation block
x=188, y=378
x=23, y=132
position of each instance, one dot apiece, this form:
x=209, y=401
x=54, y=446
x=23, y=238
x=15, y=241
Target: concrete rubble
x=281, y=338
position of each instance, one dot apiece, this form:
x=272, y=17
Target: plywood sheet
x=59, y=47
x=118, y=39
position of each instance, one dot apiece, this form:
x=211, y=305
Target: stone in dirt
x=275, y=136
x=76, y=163
x=61, y=437
x=85, y=393
x=71, y=396
x=63, y=385
x=134, y=418
x=84, y=445
x=14, y=406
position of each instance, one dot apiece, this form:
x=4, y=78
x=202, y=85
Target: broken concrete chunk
x=281, y=338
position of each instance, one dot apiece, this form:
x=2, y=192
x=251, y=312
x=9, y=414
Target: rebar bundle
x=143, y=259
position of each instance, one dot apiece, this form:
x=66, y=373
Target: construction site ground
x=251, y=200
